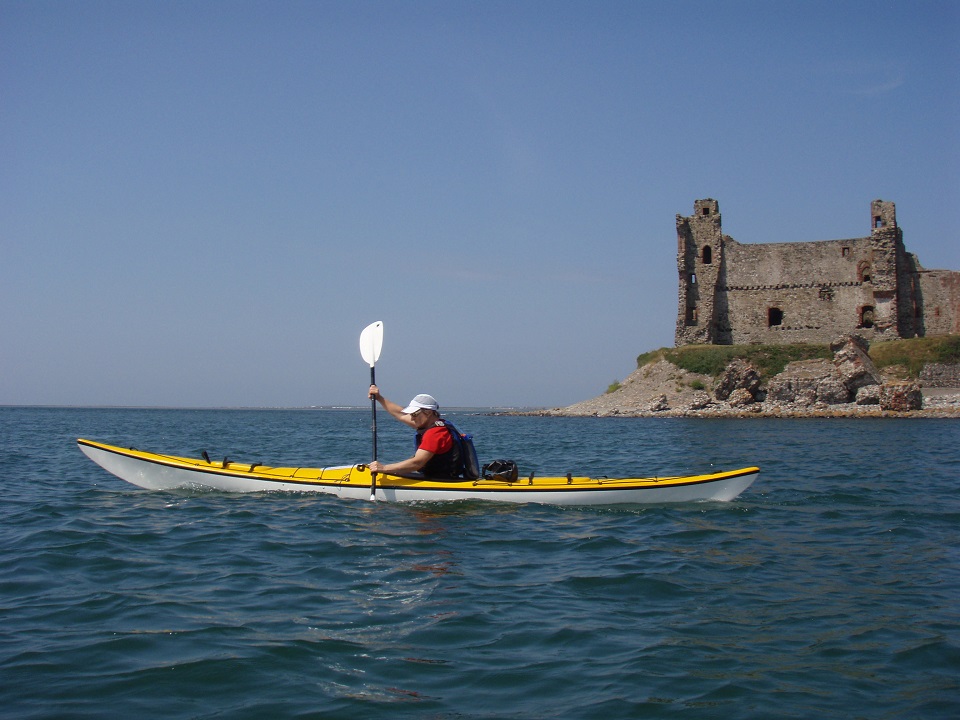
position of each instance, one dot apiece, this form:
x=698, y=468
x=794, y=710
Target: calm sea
x=830, y=589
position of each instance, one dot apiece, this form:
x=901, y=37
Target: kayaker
x=437, y=455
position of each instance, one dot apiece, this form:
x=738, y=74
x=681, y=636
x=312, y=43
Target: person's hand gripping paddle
x=371, y=341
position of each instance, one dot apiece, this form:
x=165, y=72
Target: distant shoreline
x=937, y=403
x=492, y=409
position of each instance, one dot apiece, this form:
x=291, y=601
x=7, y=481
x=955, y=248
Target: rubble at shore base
x=849, y=385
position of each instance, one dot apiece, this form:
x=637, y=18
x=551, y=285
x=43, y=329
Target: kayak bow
x=166, y=472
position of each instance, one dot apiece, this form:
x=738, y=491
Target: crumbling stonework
x=808, y=292
x=901, y=397
x=940, y=375
x=738, y=375
x=852, y=360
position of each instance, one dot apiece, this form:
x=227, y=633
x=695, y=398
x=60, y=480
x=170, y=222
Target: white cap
x=421, y=402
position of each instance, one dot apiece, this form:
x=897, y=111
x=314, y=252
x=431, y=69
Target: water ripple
x=830, y=589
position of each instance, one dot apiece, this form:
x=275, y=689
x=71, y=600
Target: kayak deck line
x=233, y=469
x=158, y=471
x=576, y=483
x=314, y=475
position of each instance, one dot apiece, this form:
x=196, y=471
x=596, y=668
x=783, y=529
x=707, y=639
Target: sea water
x=831, y=588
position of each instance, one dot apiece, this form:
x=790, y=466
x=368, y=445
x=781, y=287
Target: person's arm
x=391, y=407
x=404, y=467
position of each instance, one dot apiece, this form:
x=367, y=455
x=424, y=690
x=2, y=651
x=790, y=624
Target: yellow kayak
x=155, y=471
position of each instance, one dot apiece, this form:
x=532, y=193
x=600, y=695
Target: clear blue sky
x=204, y=203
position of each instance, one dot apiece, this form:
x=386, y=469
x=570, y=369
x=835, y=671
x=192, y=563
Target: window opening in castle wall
x=866, y=316
x=774, y=317
x=707, y=255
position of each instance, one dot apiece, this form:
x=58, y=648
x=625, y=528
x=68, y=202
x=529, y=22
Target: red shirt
x=437, y=440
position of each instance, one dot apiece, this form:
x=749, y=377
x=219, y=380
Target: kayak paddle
x=371, y=341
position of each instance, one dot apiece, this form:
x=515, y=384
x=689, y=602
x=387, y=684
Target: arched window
x=863, y=271
x=707, y=255
x=774, y=317
x=866, y=316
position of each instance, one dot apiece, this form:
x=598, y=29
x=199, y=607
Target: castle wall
x=940, y=290
x=810, y=292
x=829, y=261
x=814, y=290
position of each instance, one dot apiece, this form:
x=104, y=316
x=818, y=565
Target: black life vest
x=444, y=466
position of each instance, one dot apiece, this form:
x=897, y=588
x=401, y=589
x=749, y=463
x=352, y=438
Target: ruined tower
x=886, y=243
x=699, y=259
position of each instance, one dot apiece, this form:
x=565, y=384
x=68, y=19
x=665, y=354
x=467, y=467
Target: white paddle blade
x=371, y=341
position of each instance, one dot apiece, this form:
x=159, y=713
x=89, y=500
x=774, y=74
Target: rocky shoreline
x=849, y=385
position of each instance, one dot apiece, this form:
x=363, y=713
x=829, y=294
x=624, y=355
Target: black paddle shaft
x=373, y=412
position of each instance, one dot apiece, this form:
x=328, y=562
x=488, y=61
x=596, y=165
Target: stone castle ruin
x=807, y=292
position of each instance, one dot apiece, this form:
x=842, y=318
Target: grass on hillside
x=772, y=359
x=712, y=359
x=914, y=354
